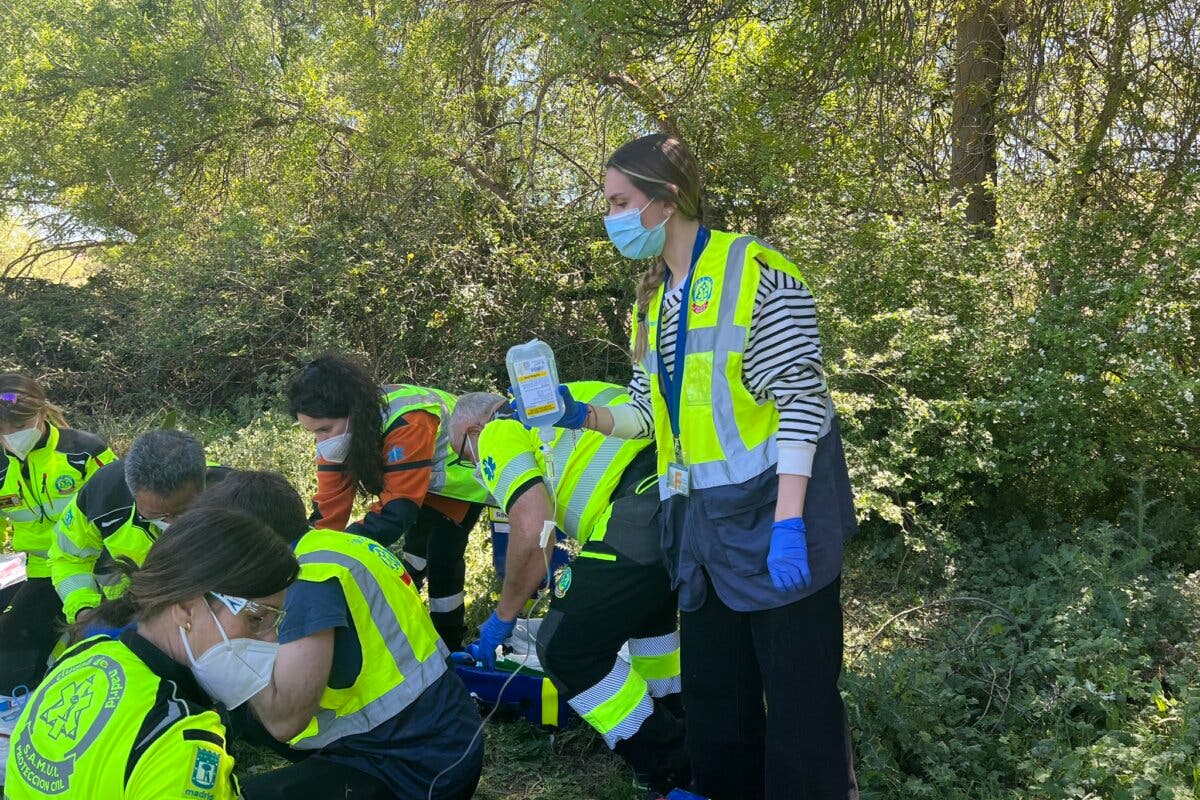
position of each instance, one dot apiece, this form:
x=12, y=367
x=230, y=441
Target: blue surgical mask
x=634, y=240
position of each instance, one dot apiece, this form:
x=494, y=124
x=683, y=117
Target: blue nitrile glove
x=787, y=560
x=462, y=658
x=492, y=634
x=576, y=412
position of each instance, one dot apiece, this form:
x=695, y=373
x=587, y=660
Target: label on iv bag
x=537, y=389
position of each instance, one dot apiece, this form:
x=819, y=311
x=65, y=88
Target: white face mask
x=161, y=524
x=335, y=448
x=235, y=670
x=21, y=443
x=477, y=474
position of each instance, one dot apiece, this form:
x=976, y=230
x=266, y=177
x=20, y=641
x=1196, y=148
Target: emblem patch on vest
x=66, y=718
x=702, y=294
x=386, y=556
x=395, y=455
x=563, y=585
x=204, y=768
x=65, y=484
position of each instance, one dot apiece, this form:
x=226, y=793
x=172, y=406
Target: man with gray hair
x=120, y=512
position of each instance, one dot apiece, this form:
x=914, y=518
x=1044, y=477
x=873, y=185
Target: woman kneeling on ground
x=134, y=717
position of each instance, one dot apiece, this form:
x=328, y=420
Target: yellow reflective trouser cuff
x=612, y=712
x=549, y=703
x=657, y=667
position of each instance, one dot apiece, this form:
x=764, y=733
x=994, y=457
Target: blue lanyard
x=673, y=387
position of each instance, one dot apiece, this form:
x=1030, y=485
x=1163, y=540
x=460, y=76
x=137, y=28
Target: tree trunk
x=979, y=61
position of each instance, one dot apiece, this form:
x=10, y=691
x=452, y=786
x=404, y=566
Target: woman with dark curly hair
x=390, y=442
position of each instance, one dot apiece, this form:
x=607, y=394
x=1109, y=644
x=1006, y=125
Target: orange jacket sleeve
x=334, y=497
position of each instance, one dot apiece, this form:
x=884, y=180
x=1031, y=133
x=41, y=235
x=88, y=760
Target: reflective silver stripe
x=37, y=553
x=662, y=687
x=607, y=396
x=414, y=561
x=518, y=466
x=73, y=583
x=651, y=646
x=109, y=579
x=739, y=463
x=655, y=645
x=444, y=605
x=561, y=452
x=417, y=674
x=23, y=515
x=600, y=693
x=406, y=395
x=59, y=505
x=68, y=546
x=441, y=451
x=586, y=487
x=401, y=396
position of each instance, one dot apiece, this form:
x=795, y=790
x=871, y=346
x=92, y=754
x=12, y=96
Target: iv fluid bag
x=534, y=378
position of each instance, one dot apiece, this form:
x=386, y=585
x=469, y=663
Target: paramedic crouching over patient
x=361, y=689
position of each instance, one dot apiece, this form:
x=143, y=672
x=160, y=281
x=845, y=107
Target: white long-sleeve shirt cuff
x=627, y=422
x=796, y=458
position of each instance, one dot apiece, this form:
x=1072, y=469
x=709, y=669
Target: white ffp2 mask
x=234, y=670
x=21, y=443
x=335, y=448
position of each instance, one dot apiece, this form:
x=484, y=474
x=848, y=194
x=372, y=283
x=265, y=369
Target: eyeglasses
x=259, y=617
x=462, y=448
x=502, y=412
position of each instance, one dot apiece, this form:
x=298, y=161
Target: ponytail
x=56, y=415
x=26, y=400
x=648, y=283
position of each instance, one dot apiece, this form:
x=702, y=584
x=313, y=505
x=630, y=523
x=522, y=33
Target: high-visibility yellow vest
x=448, y=481
x=587, y=465
x=401, y=652
x=35, y=492
x=727, y=435
x=104, y=724
x=99, y=527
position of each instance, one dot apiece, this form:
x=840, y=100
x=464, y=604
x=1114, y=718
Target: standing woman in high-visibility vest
x=729, y=380
x=43, y=463
x=390, y=442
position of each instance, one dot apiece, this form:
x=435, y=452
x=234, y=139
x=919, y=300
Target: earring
x=187, y=626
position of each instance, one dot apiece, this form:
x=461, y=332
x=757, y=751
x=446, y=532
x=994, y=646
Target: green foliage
x=1062, y=671
x=1034, y=664
x=419, y=183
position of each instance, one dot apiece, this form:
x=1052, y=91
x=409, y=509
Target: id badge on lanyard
x=679, y=479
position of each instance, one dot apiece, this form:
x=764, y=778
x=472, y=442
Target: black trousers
x=440, y=544
x=317, y=777
x=599, y=604
x=795, y=747
x=29, y=628
x=605, y=604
